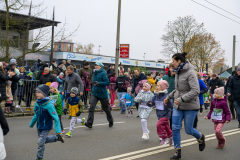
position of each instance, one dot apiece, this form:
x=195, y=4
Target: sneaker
x=200, y=114
x=163, y=142
x=17, y=106
x=69, y=134
x=88, y=125
x=170, y=141
x=83, y=120
x=138, y=116
x=128, y=115
x=62, y=131
x=30, y=109
x=27, y=109
x=69, y=117
x=160, y=139
x=113, y=106
x=61, y=138
x=201, y=142
x=145, y=135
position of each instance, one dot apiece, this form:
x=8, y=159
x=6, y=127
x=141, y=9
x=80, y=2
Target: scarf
x=180, y=67
x=41, y=101
x=159, y=92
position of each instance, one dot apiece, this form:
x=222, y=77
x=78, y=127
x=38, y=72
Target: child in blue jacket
x=129, y=100
x=45, y=112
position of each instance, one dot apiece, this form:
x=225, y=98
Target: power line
x=216, y=12
x=222, y=9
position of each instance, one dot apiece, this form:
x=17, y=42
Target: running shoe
x=69, y=134
x=163, y=142
x=60, y=138
x=83, y=121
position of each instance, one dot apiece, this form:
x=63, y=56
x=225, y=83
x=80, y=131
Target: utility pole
x=233, y=56
x=51, y=56
x=118, y=38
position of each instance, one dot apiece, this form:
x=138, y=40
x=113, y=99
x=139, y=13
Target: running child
x=58, y=103
x=207, y=99
x=163, y=112
x=129, y=100
x=220, y=114
x=76, y=107
x=45, y=112
x=144, y=111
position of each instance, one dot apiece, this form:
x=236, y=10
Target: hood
x=164, y=91
x=100, y=70
x=85, y=74
x=188, y=66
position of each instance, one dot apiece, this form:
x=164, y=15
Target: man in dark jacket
x=121, y=91
x=85, y=68
x=230, y=98
x=110, y=71
x=59, y=68
x=234, y=90
x=47, y=77
x=215, y=83
x=40, y=73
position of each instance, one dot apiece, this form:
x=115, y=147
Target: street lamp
x=144, y=56
x=99, y=49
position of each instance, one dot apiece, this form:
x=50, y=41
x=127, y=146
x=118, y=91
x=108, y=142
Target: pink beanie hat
x=163, y=84
x=220, y=91
x=148, y=85
x=54, y=85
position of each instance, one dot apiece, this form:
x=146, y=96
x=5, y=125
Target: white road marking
x=103, y=124
x=166, y=147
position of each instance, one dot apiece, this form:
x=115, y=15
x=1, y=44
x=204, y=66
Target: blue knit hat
x=99, y=64
x=44, y=89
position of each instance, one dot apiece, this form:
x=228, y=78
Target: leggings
x=60, y=119
x=201, y=108
x=218, y=131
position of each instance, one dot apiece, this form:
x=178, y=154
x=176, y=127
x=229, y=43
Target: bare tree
x=84, y=48
x=178, y=33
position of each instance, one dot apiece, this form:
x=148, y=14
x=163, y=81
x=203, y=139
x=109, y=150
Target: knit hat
x=48, y=84
x=163, y=84
x=219, y=91
x=13, y=61
x=29, y=74
x=60, y=63
x=61, y=73
x=86, y=63
x=74, y=90
x=238, y=69
x=147, y=85
x=54, y=85
x=44, y=89
x=99, y=64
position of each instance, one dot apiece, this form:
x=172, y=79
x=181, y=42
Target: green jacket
x=82, y=70
x=171, y=82
x=206, y=95
x=59, y=104
x=100, y=90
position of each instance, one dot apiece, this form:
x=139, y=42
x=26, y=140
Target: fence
x=25, y=97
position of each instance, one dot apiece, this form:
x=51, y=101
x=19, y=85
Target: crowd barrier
x=25, y=97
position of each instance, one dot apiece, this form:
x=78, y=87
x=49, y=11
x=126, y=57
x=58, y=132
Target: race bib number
x=54, y=98
x=159, y=105
x=217, y=114
x=128, y=101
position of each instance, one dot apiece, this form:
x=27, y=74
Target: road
x=123, y=141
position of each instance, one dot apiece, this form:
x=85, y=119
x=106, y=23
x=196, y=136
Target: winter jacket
x=186, y=88
x=110, y=72
x=59, y=104
x=206, y=97
x=21, y=87
x=143, y=98
x=73, y=81
x=215, y=82
x=9, y=94
x=40, y=73
x=85, y=80
x=136, y=80
x=75, y=105
x=220, y=104
x=15, y=79
x=139, y=87
x=47, y=78
x=112, y=83
x=203, y=89
x=129, y=99
x=153, y=83
x=53, y=66
x=158, y=98
x=44, y=115
x=59, y=70
x=82, y=70
x=60, y=84
x=171, y=81
x=3, y=79
x=234, y=87
x=4, y=129
x=100, y=90
x=64, y=68
x=119, y=82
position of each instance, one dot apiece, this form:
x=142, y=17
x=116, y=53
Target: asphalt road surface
x=122, y=141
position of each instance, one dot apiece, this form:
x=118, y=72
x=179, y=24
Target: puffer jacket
x=100, y=90
x=187, y=88
x=143, y=98
x=75, y=105
x=136, y=80
x=86, y=81
x=3, y=79
x=9, y=94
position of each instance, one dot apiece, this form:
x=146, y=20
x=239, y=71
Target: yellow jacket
x=75, y=105
x=153, y=82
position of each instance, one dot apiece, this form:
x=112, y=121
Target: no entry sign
x=124, y=50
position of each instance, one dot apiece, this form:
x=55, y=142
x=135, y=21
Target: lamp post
x=99, y=49
x=144, y=56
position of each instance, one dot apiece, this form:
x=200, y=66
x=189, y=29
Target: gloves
x=96, y=83
x=87, y=89
x=149, y=104
x=78, y=114
x=65, y=111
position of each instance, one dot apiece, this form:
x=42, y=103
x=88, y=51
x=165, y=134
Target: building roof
x=225, y=75
x=21, y=21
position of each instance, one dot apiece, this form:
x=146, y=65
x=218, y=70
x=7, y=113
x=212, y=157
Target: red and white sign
x=124, y=50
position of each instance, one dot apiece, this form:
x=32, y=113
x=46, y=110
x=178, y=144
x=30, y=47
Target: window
x=69, y=47
x=59, y=46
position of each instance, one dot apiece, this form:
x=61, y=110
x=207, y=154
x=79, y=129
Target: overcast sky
x=142, y=23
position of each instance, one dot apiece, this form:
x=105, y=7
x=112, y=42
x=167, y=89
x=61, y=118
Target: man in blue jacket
x=99, y=92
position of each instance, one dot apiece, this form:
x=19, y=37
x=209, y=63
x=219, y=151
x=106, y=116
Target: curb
x=32, y=113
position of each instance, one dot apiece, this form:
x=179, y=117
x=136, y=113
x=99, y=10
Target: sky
x=143, y=23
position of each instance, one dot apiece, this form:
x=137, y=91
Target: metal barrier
x=25, y=97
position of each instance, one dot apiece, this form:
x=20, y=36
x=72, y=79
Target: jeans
x=105, y=106
x=122, y=103
x=189, y=117
x=43, y=138
x=237, y=107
